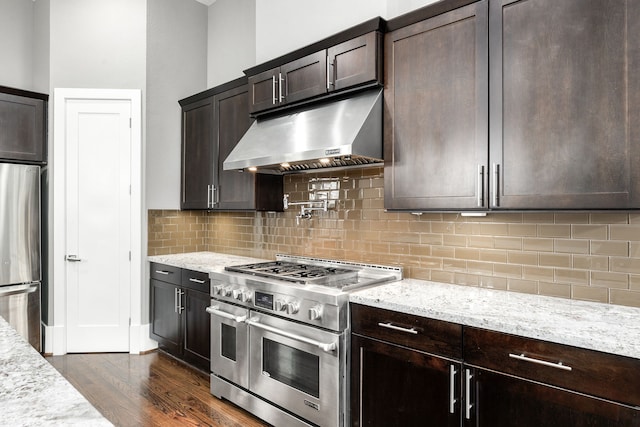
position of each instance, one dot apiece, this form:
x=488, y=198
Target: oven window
x=228, y=341
x=288, y=365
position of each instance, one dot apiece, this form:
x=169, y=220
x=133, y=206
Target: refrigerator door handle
x=6, y=291
x=72, y=258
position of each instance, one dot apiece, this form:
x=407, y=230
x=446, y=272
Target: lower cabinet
x=179, y=321
x=411, y=371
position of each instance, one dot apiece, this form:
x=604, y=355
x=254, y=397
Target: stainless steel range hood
x=342, y=133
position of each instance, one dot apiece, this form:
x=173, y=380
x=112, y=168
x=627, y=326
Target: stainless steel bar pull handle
x=165, y=273
x=480, y=188
x=390, y=325
x=330, y=73
x=175, y=300
x=452, y=389
x=18, y=289
x=524, y=358
x=194, y=280
x=326, y=347
x=215, y=310
x=72, y=258
x=280, y=89
x=496, y=184
x=274, y=100
x=180, y=307
x=467, y=394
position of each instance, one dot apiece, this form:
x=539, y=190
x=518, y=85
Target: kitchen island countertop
x=34, y=393
x=596, y=326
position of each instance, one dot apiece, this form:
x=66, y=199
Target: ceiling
x=206, y=2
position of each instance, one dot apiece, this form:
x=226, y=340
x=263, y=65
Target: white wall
x=16, y=43
x=41, y=42
x=176, y=68
x=232, y=40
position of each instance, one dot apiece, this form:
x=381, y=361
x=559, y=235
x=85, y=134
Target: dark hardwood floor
x=149, y=390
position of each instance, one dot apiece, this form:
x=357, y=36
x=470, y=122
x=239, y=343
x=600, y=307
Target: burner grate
x=298, y=273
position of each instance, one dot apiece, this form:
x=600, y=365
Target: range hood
x=338, y=133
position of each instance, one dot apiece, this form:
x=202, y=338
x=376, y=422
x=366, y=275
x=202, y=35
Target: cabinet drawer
x=165, y=273
x=600, y=374
x=196, y=280
x=432, y=336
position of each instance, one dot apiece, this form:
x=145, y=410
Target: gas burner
x=299, y=272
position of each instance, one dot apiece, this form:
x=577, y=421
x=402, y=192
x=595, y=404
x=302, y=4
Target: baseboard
x=139, y=341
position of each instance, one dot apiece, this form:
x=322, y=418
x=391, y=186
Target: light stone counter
x=34, y=393
x=603, y=327
x=203, y=261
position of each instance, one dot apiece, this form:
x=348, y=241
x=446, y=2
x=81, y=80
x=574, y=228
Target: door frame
x=55, y=334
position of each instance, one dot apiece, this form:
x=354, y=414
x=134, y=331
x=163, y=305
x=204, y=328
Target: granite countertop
x=203, y=261
x=596, y=326
x=34, y=393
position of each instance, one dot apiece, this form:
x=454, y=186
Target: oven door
x=229, y=342
x=297, y=367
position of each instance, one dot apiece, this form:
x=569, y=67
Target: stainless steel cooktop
x=299, y=273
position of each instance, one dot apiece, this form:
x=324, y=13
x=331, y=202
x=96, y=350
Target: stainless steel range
x=280, y=336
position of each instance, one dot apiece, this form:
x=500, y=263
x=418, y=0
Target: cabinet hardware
x=165, y=273
x=480, y=188
x=214, y=309
x=496, y=184
x=191, y=279
x=330, y=76
x=209, y=196
x=280, y=95
x=175, y=300
x=274, y=100
x=389, y=325
x=72, y=258
x=326, y=347
x=180, y=307
x=452, y=389
x=216, y=196
x=524, y=358
x=467, y=394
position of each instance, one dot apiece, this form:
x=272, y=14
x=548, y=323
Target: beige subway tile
x=538, y=218
x=634, y=249
x=522, y=286
x=493, y=255
x=454, y=240
x=479, y=267
x=537, y=244
x=609, y=280
x=442, y=276
x=554, y=230
x=420, y=250
x=492, y=282
x=480, y=241
x=419, y=273
x=554, y=260
x=537, y=273
x=509, y=243
x=587, y=262
x=507, y=270
x=431, y=263
x=450, y=264
x=525, y=258
x=379, y=247
x=420, y=226
x=522, y=230
x=587, y=293
x=634, y=282
x=588, y=231
x=571, y=218
x=467, y=254
x=442, y=227
x=431, y=216
x=623, y=297
x=463, y=228
x=578, y=277
x=625, y=232
x=571, y=246
x=494, y=229
x=443, y=252
x=610, y=248
x=609, y=218
x=506, y=217
x=634, y=218
x=466, y=279
x=625, y=265
x=431, y=239
x=554, y=289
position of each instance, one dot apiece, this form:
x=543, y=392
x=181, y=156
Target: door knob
x=72, y=258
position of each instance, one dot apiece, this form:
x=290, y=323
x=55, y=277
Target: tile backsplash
x=584, y=255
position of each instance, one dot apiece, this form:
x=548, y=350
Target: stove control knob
x=228, y=291
x=292, y=307
x=315, y=312
x=280, y=305
x=246, y=296
x=217, y=289
x=237, y=294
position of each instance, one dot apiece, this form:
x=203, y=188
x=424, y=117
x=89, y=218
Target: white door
x=98, y=224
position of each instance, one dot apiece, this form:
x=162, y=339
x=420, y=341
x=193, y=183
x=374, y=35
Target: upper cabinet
x=436, y=118
x=516, y=105
x=23, y=126
x=349, y=59
x=565, y=104
x=212, y=124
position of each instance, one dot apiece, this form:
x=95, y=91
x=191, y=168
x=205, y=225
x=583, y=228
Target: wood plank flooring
x=149, y=390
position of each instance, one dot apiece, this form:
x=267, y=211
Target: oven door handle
x=326, y=347
x=215, y=310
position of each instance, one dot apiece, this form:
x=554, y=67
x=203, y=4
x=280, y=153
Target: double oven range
x=280, y=337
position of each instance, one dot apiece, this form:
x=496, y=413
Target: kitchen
x=576, y=256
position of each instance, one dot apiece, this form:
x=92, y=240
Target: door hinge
x=129, y=255
x=129, y=189
x=129, y=122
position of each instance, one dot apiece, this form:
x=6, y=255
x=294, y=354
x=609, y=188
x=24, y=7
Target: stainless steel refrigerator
x=20, y=263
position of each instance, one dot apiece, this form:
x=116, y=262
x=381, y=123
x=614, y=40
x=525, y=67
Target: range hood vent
x=342, y=133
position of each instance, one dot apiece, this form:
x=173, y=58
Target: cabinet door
x=263, y=90
x=506, y=401
x=22, y=128
x=198, y=154
x=197, y=328
x=165, y=319
x=436, y=124
x=355, y=62
x=565, y=104
x=236, y=190
x=305, y=77
x=394, y=386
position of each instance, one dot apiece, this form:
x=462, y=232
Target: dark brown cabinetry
x=179, y=321
x=23, y=126
x=349, y=64
x=406, y=370
x=516, y=381
x=565, y=104
x=436, y=116
x=212, y=124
